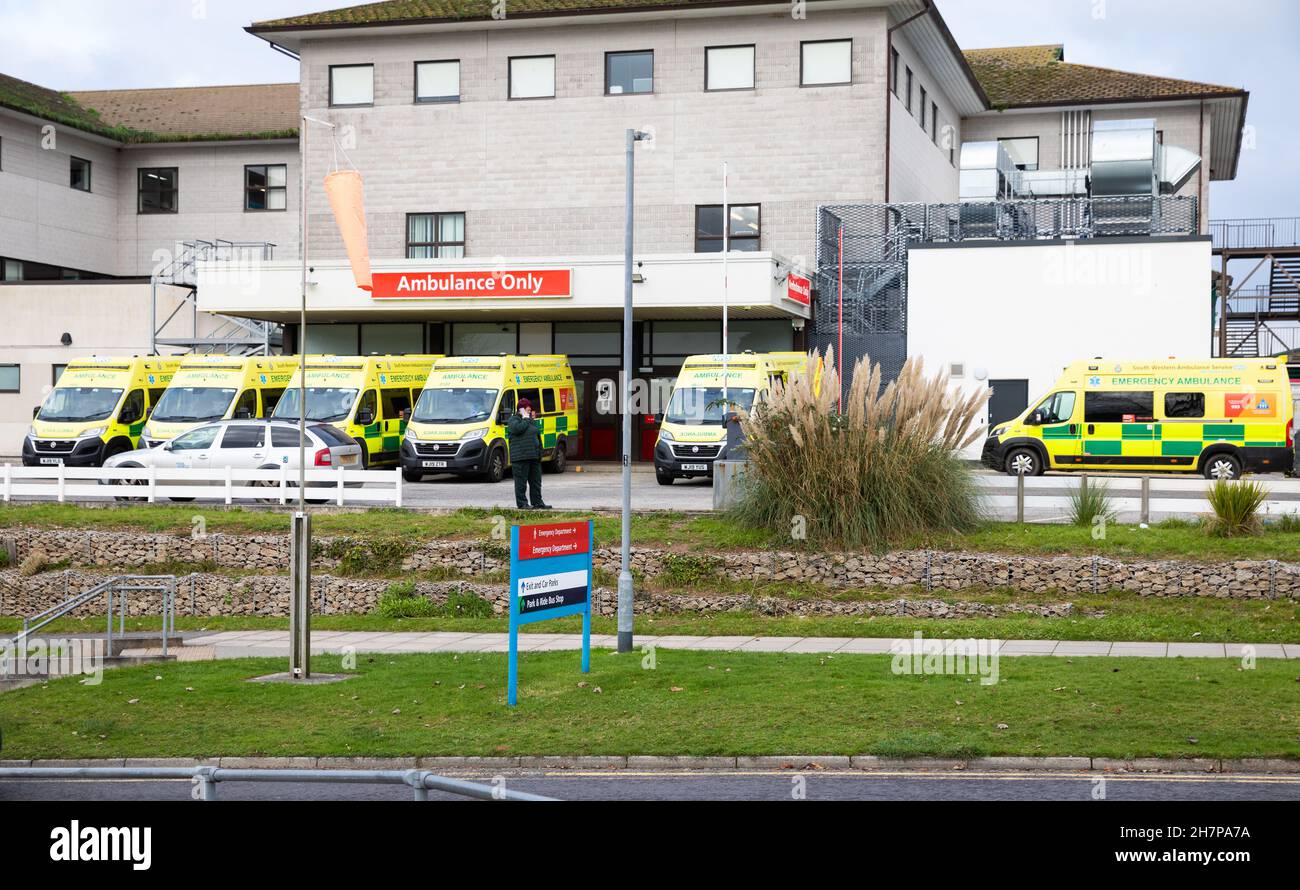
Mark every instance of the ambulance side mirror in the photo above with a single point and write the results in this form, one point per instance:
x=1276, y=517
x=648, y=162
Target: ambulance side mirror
x=365, y=418
x=1035, y=419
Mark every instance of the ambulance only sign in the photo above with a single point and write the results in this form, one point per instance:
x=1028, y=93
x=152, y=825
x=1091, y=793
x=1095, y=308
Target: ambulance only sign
x=550, y=577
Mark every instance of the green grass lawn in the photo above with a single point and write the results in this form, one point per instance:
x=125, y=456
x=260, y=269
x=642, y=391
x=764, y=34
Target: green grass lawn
x=694, y=533
x=1108, y=618
x=691, y=703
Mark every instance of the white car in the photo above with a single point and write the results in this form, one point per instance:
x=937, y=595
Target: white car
x=243, y=445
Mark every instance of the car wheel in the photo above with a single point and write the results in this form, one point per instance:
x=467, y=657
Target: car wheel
x=496, y=466
x=412, y=475
x=664, y=480
x=559, y=460
x=130, y=482
x=1024, y=462
x=265, y=483
x=1222, y=466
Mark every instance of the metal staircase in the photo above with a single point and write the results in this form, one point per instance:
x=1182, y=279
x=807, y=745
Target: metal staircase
x=224, y=334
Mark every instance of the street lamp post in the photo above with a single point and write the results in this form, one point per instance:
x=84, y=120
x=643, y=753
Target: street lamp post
x=625, y=569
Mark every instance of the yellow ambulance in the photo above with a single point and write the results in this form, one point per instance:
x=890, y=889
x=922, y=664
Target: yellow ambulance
x=97, y=410
x=1218, y=417
x=692, y=436
x=459, y=422
x=215, y=387
x=368, y=397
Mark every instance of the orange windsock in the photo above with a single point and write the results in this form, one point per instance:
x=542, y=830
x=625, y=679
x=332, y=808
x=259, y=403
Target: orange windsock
x=347, y=199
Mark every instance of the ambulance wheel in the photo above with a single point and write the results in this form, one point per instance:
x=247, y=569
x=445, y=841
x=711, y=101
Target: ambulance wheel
x=365, y=457
x=559, y=460
x=1024, y=462
x=412, y=475
x=663, y=479
x=1222, y=466
x=496, y=466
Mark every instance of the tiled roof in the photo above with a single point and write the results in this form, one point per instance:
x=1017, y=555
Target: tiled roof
x=182, y=114
x=1029, y=76
x=395, y=11
x=265, y=110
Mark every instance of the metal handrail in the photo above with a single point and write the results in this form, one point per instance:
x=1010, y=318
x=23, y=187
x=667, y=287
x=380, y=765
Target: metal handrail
x=1239, y=234
x=207, y=777
x=120, y=584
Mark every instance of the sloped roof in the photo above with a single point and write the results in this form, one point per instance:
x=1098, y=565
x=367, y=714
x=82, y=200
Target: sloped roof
x=53, y=106
x=1029, y=76
x=390, y=12
x=267, y=110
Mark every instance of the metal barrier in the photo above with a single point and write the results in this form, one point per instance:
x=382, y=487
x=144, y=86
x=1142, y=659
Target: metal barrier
x=206, y=778
x=149, y=484
x=117, y=587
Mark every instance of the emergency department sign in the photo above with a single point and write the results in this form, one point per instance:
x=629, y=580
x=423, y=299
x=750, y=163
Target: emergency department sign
x=550, y=577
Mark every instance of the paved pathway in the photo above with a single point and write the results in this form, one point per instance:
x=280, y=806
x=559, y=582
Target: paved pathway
x=243, y=644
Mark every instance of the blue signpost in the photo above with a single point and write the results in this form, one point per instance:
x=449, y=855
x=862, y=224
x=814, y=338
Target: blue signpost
x=550, y=577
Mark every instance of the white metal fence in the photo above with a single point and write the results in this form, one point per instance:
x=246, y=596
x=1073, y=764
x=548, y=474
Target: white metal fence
x=152, y=484
x=1133, y=498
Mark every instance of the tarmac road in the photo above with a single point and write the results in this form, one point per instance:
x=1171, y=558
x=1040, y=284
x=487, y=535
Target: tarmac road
x=726, y=786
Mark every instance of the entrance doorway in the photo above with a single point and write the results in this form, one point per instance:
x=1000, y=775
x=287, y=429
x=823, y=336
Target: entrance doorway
x=600, y=432
x=1009, y=399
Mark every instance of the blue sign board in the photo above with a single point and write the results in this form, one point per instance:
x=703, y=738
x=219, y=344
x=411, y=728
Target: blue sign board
x=550, y=577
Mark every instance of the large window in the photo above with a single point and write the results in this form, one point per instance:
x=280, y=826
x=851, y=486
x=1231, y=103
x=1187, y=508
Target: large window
x=532, y=77
x=266, y=187
x=672, y=341
x=630, y=72
x=826, y=62
x=484, y=338
x=352, y=85
x=1119, y=407
x=11, y=378
x=431, y=236
x=729, y=68
x=755, y=335
x=1023, y=152
x=437, y=81
x=392, y=339
x=589, y=342
x=158, y=190
x=79, y=174
x=333, y=339
x=1184, y=405
x=1057, y=408
x=744, y=233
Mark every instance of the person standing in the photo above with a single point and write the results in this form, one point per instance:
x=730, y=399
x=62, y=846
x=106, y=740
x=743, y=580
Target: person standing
x=525, y=435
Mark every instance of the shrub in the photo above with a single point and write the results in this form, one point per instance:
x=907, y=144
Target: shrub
x=687, y=571
x=884, y=471
x=401, y=600
x=1236, y=507
x=1289, y=522
x=1091, y=502
x=375, y=557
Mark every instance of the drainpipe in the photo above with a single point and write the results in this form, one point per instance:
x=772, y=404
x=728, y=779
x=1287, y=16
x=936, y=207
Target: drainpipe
x=889, y=86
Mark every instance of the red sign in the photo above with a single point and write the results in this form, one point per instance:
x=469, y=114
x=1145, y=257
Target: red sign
x=1250, y=405
x=798, y=289
x=560, y=539
x=470, y=285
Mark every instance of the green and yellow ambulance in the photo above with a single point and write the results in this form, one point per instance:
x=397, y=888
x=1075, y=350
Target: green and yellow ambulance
x=215, y=387
x=367, y=397
x=692, y=436
x=1218, y=417
x=97, y=410
x=459, y=422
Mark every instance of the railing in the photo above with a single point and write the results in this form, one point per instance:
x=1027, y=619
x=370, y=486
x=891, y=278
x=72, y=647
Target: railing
x=150, y=484
x=114, y=588
x=1257, y=234
x=206, y=779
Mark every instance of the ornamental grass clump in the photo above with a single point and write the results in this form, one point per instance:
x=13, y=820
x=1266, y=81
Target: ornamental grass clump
x=884, y=471
x=1236, y=508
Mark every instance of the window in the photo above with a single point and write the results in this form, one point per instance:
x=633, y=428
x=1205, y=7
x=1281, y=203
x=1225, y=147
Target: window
x=251, y=435
x=392, y=339
x=908, y=99
x=1023, y=152
x=672, y=341
x=13, y=270
x=79, y=174
x=11, y=378
x=632, y=72
x=196, y=440
x=753, y=335
x=352, y=85
x=925, y=101
x=247, y=404
x=729, y=68
x=894, y=60
x=548, y=401
x=1058, y=407
x=265, y=186
x=368, y=407
x=158, y=191
x=431, y=236
x=437, y=81
x=532, y=77
x=1119, y=407
x=826, y=62
x=484, y=338
x=285, y=437
x=598, y=342
x=58, y=372
x=744, y=233
x=934, y=122
x=1184, y=405
x=132, y=407
x=333, y=339
x=395, y=402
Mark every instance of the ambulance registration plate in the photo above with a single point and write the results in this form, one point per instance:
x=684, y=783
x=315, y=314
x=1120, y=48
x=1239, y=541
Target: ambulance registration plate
x=695, y=468
x=52, y=461
x=435, y=464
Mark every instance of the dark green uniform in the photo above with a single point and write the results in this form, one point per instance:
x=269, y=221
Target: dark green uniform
x=526, y=459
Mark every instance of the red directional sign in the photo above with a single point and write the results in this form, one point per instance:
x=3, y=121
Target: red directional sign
x=557, y=539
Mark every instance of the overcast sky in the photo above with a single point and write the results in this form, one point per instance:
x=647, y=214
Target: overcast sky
x=104, y=44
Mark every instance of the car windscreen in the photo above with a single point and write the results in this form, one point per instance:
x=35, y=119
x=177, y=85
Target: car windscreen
x=76, y=404
x=190, y=404
x=324, y=403
x=704, y=405
x=454, y=405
